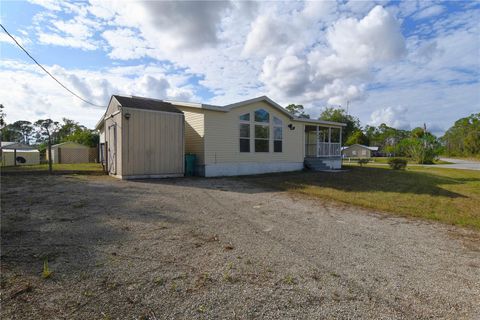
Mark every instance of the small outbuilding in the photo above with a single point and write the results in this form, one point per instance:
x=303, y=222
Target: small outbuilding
x=14, y=153
x=358, y=151
x=70, y=152
x=142, y=138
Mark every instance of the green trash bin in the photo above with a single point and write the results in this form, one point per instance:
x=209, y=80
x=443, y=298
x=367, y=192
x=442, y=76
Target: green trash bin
x=190, y=160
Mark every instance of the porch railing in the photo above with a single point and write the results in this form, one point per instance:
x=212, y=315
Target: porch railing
x=325, y=149
x=329, y=149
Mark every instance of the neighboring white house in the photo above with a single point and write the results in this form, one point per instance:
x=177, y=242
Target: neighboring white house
x=248, y=137
x=14, y=153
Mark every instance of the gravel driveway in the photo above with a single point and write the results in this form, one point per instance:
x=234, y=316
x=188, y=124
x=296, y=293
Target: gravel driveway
x=222, y=249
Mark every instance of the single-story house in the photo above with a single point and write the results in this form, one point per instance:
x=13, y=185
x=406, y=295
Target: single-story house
x=15, y=153
x=358, y=151
x=148, y=138
x=70, y=152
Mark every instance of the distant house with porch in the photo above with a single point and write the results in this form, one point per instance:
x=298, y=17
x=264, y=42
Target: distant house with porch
x=248, y=137
x=358, y=151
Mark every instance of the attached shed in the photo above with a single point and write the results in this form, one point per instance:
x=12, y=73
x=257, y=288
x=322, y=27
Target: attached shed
x=70, y=152
x=142, y=138
x=19, y=154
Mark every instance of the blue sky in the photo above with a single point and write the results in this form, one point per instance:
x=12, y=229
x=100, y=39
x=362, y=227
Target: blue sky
x=401, y=63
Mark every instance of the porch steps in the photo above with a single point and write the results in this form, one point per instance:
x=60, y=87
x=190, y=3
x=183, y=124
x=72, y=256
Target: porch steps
x=316, y=164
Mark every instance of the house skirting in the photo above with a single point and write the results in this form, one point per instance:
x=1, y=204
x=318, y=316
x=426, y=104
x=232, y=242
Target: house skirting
x=324, y=163
x=246, y=168
x=334, y=163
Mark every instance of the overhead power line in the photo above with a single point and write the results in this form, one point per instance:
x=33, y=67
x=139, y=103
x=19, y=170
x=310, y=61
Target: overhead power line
x=46, y=71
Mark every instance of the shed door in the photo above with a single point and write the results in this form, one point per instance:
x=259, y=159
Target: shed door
x=112, y=149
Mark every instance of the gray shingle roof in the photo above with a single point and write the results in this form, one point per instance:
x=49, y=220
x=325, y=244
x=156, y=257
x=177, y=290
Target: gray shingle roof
x=146, y=104
x=8, y=145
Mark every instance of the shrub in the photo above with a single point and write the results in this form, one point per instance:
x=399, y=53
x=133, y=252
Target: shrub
x=363, y=161
x=397, y=163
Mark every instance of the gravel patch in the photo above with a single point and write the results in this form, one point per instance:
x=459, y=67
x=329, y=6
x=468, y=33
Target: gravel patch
x=222, y=249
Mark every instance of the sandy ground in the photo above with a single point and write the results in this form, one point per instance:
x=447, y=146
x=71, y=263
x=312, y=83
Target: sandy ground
x=222, y=249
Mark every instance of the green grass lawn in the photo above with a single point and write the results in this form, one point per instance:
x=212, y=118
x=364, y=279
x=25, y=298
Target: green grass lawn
x=384, y=160
x=447, y=195
x=59, y=167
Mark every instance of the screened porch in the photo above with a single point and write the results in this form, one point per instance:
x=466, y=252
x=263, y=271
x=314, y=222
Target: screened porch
x=321, y=141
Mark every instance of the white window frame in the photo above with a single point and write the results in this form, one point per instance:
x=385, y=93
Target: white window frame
x=271, y=125
x=273, y=135
x=240, y=122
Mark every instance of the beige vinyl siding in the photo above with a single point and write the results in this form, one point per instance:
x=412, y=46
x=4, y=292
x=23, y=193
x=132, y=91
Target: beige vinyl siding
x=152, y=143
x=222, y=137
x=194, y=132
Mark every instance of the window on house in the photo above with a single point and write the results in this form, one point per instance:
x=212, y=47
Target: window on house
x=262, y=115
x=277, y=121
x=277, y=134
x=262, y=137
x=245, y=132
x=245, y=117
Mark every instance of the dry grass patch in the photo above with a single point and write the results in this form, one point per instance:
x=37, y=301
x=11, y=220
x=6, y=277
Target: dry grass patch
x=56, y=167
x=447, y=195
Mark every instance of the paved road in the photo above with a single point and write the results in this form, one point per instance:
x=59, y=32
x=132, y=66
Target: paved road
x=461, y=164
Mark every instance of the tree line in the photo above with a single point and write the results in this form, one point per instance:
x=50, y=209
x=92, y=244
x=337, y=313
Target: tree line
x=44, y=133
x=462, y=139
x=37, y=133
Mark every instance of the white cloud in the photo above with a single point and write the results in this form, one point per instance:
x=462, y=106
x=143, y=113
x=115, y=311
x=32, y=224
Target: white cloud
x=126, y=44
x=320, y=10
x=315, y=53
x=73, y=28
x=428, y=12
x=391, y=116
x=5, y=38
x=287, y=74
x=101, y=9
x=65, y=41
x=175, y=25
x=27, y=94
x=77, y=32
x=269, y=35
x=335, y=73
x=49, y=4
x=150, y=86
x=376, y=37
x=339, y=93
